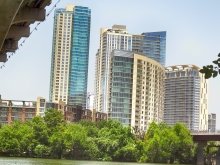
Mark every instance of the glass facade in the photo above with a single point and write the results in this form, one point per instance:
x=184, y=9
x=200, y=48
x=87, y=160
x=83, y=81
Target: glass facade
x=121, y=90
x=154, y=46
x=79, y=59
x=70, y=55
x=136, y=89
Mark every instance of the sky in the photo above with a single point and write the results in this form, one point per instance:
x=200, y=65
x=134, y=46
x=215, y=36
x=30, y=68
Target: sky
x=193, y=37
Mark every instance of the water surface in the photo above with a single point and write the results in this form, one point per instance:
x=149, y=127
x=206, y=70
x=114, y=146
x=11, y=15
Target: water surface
x=38, y=161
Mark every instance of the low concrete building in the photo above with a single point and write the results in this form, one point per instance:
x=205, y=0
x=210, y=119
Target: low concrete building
x=72, y=113
x=87, y=114
x=13, y=110
x=42, y=105
x=98, y=116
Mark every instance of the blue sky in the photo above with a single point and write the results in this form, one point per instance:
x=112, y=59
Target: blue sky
x=193, y=37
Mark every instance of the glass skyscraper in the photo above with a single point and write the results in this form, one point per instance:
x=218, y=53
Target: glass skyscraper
x=70, y=55
x=154, y=46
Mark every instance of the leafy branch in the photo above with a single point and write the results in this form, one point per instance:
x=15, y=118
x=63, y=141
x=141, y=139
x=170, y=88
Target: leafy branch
x=210, y=70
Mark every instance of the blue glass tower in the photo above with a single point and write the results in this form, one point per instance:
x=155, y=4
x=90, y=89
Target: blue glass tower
x=154, y=46
x=70, y=55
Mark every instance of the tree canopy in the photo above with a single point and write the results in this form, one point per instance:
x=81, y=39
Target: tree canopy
x=210, y=70
x=52, y=137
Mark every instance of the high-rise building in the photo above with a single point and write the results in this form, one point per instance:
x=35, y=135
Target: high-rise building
x=152, y=45
x=186, y=97
x=110, y=39
x=70, y=55
x=212, y=122
x=89, y=100
x=136, y=89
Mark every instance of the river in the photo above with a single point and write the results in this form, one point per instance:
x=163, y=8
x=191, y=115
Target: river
x=37, y=161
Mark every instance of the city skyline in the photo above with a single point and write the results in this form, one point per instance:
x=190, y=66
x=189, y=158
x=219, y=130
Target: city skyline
x=190, y=41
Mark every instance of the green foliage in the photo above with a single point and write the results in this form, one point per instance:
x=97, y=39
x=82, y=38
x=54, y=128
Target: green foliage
x=54, y=120
x=166, y=144
x=210, y=70
x=211, y=149
x=41, y=151
x=52, y=137
x=40, y=130
x=17, y=139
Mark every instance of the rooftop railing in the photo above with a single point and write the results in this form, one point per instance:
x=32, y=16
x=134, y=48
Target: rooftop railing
x=205, y=132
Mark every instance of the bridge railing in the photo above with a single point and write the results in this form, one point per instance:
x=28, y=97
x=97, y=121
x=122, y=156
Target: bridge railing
x=204, y=132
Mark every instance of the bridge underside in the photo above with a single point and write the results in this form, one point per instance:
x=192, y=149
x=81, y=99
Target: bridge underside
x=202, y=140
x=205, y=137
x=15, y=18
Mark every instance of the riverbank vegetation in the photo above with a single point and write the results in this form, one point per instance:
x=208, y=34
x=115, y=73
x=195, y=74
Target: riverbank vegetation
x=52, y=137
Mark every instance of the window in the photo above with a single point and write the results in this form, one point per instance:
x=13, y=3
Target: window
x=41, y=104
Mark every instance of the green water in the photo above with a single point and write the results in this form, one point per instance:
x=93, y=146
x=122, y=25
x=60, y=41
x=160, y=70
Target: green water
x=37, y=161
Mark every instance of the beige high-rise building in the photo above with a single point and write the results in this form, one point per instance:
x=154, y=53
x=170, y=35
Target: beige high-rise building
x=152, y=45
x=136, y=89
x=110, y=39
x=186, y=97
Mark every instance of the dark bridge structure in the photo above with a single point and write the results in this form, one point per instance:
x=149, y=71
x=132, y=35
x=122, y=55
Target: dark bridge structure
x=15, y=18
x=202, y=137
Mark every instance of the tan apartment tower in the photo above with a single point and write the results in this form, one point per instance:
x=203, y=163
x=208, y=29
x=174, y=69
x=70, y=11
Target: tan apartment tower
x=136, y=89
x=186, y=97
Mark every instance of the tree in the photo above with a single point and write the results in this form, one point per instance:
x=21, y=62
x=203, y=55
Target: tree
x=210, y=150
x=17, y=139
x=210, y=70
x=57, y=145
x=75, y=140
x=54, y=120
x=114, y=139
x=9, y=143
x=185, y=149
x=164, y=144
x=40, y=130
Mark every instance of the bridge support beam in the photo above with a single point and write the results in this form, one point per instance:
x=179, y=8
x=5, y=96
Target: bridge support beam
x=10, y=7
x=200, y=155
x=10, y=45
x=18, y=32
x=3, y=57
x=29, y=14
